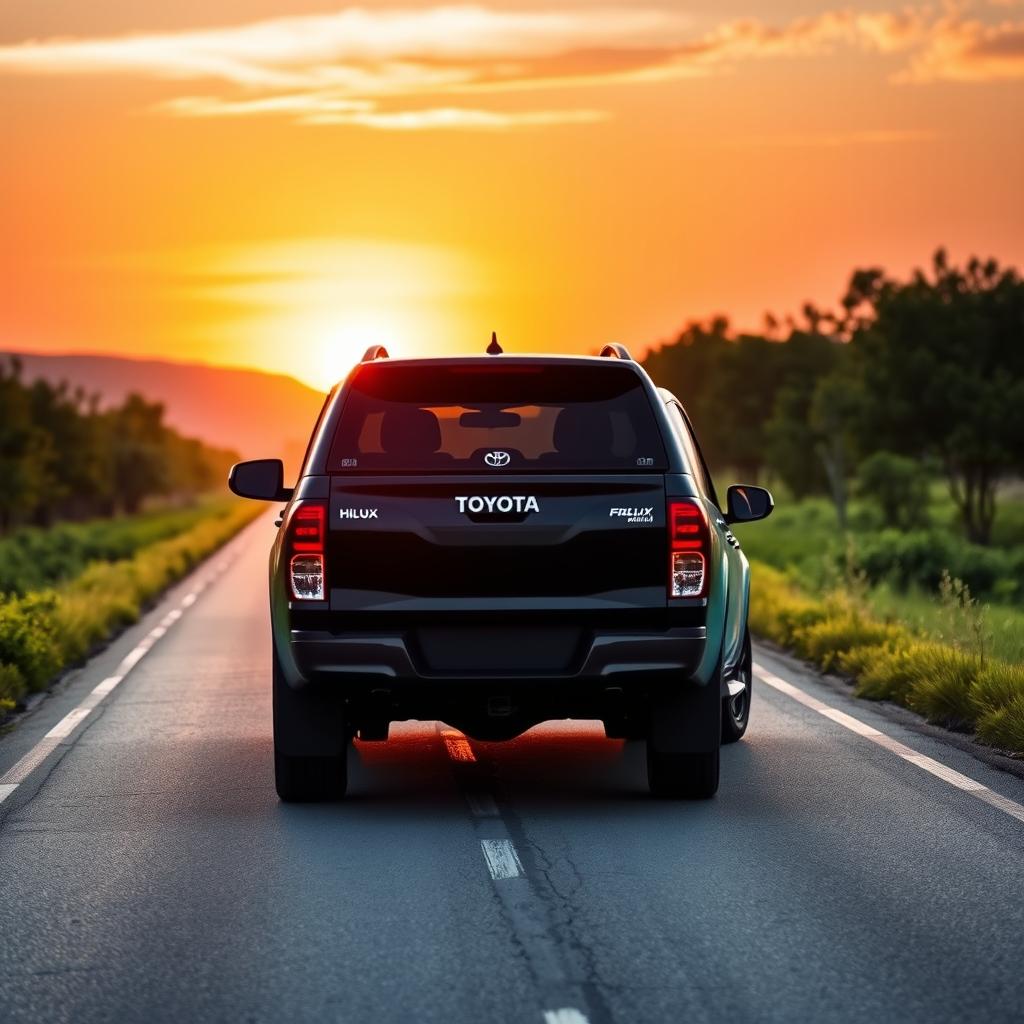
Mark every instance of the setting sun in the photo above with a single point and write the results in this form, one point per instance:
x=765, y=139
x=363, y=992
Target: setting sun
x=338, y=346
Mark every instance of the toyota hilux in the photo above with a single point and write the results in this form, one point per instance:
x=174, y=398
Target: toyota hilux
x=495, y=541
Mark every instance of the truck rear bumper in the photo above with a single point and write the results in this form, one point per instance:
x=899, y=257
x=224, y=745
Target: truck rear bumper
x=459, y=656
x=496, y=682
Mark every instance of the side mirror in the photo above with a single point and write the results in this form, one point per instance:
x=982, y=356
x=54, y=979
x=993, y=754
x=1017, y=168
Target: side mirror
x=747, y=503
x=262, y=479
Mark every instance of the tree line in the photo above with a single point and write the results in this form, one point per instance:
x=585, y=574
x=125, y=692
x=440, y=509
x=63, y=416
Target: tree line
x=906, y=378
x=65, y=456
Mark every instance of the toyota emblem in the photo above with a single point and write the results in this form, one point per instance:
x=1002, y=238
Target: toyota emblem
x=497, y=459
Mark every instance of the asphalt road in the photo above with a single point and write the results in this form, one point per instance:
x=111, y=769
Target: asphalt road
x=148, y=872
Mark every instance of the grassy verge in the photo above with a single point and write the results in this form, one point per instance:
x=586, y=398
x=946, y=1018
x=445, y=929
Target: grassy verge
x=950, y=677
x=33, y=558
x=44, y=631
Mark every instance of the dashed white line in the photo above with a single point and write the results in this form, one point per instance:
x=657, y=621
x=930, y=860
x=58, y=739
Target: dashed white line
x=132, y=658
x=935, y=768
x=189, y=599
x=502, y=859
x=108, y=684
x=7, y=790
x=564, y=1016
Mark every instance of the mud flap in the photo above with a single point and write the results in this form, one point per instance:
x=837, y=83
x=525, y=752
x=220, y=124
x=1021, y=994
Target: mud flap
x=688, y=720
x=309, y=722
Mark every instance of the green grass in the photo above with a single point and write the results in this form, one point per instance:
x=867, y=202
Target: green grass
x=803, y=537
x=944, y=667
x=45, y=631
x=922, y=613
x=32, y=558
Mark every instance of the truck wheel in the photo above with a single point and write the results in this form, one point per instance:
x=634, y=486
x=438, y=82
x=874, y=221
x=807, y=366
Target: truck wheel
x=686, y=776
x=683, y=742
x=310, y=743
x=309, y=779
x=736, y=710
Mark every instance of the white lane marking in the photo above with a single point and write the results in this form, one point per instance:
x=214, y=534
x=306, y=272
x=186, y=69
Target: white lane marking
x=108, y=684
x=564, y=1016
x=502, y=859
x=482, y=805
x=99, y=691
x=936, y=768
x=22, y=768
x=458, y=746
x=132, y=658
x=68, y=724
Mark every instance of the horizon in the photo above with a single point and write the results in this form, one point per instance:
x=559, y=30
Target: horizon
x=229, y=185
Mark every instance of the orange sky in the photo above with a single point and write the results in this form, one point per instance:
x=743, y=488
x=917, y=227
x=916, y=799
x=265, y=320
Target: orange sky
x=250, y=182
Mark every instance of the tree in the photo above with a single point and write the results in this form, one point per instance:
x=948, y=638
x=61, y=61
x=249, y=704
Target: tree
x=898, y=485
x=941, y=361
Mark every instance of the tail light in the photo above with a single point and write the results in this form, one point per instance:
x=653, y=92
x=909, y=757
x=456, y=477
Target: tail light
x=306, y=530
x=689, y=544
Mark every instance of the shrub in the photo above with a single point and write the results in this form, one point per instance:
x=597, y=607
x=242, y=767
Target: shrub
x=996, y=686
x=922, y=557
x=952, y=681
x=825, y=640
x=898, y=485
x=777, y=609
x=32, y=558
x=12, y=687
x=1004, y=726
x=888, y=676
x=42, y=633
x=941, y=690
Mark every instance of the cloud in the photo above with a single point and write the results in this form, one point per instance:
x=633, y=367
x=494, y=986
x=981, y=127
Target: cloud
x=328, y=109
x=386, y=69
x=969, y=51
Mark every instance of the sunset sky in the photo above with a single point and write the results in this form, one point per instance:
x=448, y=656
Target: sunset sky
x=279, y=185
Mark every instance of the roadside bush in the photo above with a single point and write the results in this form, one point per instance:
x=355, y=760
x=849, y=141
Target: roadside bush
x=32, y=558
x=941, y=690
x=777, y=608
x=12, y=687
x=922, y=557
x=844, y=629
x=997, y=685
x=30, y=638
x=898, y=486
x=889, y=675
x=44, y=632
x=952, y=681
x=1003, y=727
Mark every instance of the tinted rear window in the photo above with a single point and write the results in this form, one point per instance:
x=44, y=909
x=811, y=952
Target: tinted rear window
x=462, y=417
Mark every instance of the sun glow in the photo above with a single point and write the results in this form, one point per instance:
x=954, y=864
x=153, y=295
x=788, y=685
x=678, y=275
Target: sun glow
x=337, y=345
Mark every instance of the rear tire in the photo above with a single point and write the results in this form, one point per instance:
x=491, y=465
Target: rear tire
x=309, y=779
x=682, y=776
x=311, y=742
x=684, y=741
x=736, y=710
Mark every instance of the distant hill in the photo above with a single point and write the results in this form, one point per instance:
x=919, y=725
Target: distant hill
x=260, y=415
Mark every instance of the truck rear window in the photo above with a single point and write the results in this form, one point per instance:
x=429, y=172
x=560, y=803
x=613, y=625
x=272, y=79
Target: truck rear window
x=510, y=416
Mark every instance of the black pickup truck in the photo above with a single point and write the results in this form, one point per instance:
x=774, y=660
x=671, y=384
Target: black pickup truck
x=495, y=541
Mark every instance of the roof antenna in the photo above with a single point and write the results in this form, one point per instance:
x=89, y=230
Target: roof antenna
x=494, y=349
